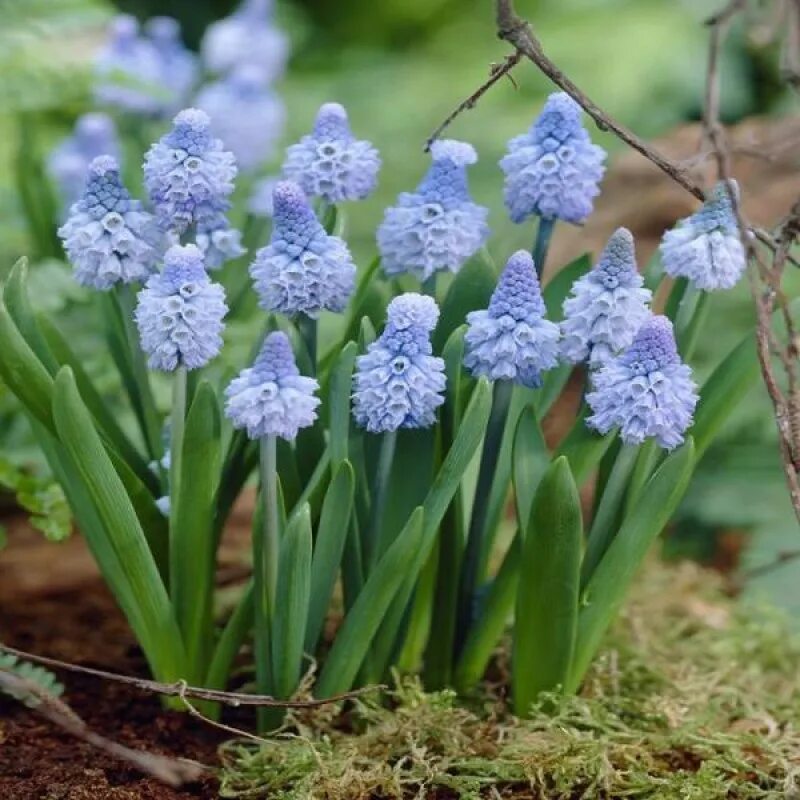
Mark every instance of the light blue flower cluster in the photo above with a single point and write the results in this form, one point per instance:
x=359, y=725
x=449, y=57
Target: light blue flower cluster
x=511, y=340
x=553, y=171
x=108, y=238
x=646, y=391
x=248, y=36
x=272, y=398
x=398, y=383
x=245, y=114
x=180, y=313
x=218, y=242
x=607, y=306
x=178, y=66
x=188, y=174
x=330, y=162
x=68, y=165
x=706, y=247
x=302, y=269
x=437, y=227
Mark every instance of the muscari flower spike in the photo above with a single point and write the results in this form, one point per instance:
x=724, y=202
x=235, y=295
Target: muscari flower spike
x=248, y=36
x=272, y=398
x=188, y=173
x=127, y=70
x=218, y=242
x=398, y=383
x=706, y=247
x=179, y=67
x=94, y=135
x=553, y=170
x=647, y=391
x=108, y=238
x=180, y=313
x=302, y=269
x=511, y=340
x=245, y=113
x=438, y=226
x=606, y=306
x=330, y=162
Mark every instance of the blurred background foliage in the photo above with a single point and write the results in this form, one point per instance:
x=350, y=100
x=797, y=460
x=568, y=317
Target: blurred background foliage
x=399, y=66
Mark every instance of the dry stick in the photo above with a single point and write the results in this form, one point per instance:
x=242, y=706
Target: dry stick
x=173, y=772
x=182, y=690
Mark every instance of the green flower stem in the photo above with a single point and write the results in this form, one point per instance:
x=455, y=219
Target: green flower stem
x=541, y=245
x=177, y=427
x=429, y=285
x=691, y=322
x=501, y=400
x=375, y=544
x=307, y=326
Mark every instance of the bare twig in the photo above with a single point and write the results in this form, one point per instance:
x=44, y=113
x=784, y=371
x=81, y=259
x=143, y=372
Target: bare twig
x=182, y=690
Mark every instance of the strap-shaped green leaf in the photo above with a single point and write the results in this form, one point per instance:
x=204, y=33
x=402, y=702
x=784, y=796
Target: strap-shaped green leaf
x=612, y=577
x=132, y=565
x=339, y=391
x=557, y=288
x=530, y=458
x=334, y=523
x=546, y=614
x=583, y=448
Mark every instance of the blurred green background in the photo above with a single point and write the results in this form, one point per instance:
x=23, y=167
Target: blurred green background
x=399, y=66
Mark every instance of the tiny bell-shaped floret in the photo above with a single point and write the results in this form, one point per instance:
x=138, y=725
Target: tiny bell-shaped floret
x=647, y=391
x=302, y=269
x=511, y=340
x=399, y=383
x=706, y=247
x=606, y=306
x=330, y=162
x=218, y=242
x=180, y=313
x=272, y=398
x=553, y=171
x=437, y=227
x=108, y=238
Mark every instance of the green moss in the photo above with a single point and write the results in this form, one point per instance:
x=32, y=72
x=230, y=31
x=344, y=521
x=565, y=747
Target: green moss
x=693, y=698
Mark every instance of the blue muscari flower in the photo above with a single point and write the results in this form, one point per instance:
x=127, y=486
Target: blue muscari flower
x=260, y=202
x=438, y=226
x=330, y=162
x=245, y=113
x=178, y=66
x=188, y=173
x=706, y=247
x=647, y=391
x=398, y=383
x=127, y=70
x=180, y=313
x=302, y=269
x=272, y=398
x=606, y=306
x=94, y=135
x=511, y=340
x=108, y=237
x=553, y=170
x=218, y=242
x=248, y=36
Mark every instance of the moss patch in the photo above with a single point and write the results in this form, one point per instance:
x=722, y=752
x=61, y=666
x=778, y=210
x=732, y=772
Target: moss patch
x=693, y=698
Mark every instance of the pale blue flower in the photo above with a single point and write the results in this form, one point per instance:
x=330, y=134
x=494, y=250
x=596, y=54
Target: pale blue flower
x=330, y=162
x=68, y=165
x=553, y=170
x=646, y=391
x=706, y=247
x=607, y=306
x=272, y=398
x=180, y=313
x=188, y=173
x=511, y=340
x=302, y=269
x=437, y=227
x=218, y=242
x=245, y=114
x=248, y=36
x=178, y=66
x=398, y=383
x=108, y=238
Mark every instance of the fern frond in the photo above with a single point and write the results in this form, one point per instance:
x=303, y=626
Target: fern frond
x=44, y=680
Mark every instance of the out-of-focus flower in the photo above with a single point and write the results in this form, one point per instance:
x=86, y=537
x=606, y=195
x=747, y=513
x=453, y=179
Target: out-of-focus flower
x=218, y=242
x=260, y=203
x=178, y=65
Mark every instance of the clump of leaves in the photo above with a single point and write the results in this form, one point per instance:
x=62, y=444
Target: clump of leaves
x=692, y=697
x=31, y=674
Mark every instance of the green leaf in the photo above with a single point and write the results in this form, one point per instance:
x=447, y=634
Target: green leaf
x=530, y=458
x=584, y=448
x=291, y=604
x=557, y=288
x=364, y=618
x=546, y=614
x=612, y=577
x=334, y=524
x=339, y=391
x=553, y=384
